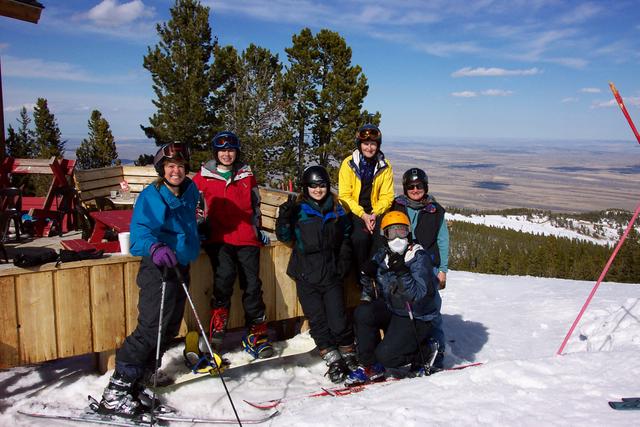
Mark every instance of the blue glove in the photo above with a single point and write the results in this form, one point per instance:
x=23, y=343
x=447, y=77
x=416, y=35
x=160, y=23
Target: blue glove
x=162, y=255
x=264, y=238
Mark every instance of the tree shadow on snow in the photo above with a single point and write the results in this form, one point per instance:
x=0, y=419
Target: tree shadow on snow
x=465, y=339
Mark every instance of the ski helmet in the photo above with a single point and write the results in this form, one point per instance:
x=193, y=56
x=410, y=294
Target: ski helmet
x=315, y=175
x=368, y=132
x=413, y=176
x=398, y=222
x=174, y=150
x=225, y=139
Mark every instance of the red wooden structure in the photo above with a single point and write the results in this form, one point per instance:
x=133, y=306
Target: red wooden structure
x=58, y=205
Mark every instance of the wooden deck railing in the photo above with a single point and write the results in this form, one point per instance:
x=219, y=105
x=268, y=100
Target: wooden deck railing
x=91, y=306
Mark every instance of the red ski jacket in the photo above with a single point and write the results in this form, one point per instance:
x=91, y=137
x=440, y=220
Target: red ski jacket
x=233, y=206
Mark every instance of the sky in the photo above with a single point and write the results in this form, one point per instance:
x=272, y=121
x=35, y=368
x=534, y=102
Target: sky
x=513, y=325
x=453, y=69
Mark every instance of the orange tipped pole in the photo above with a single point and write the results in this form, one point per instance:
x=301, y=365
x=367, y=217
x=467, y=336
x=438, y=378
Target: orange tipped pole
x=616, y=94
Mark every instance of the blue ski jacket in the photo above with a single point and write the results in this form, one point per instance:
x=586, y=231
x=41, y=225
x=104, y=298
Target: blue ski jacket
x=160, y=216
x=418, y=287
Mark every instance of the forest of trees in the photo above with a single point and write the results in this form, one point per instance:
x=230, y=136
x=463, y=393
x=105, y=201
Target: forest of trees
x=483, y=249
x=286, y=116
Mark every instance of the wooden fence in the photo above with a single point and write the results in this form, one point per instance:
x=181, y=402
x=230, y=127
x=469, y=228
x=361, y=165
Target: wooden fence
x=91, y=306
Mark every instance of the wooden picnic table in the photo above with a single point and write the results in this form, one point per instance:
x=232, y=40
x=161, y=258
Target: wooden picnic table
x=58, y=195
x=117, y=220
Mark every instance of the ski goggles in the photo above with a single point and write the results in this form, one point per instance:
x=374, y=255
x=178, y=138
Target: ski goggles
x=396, y=231
x=227, y=140
x=176, y=150
x=416, y=186
x=317, y=185
x=369, y=134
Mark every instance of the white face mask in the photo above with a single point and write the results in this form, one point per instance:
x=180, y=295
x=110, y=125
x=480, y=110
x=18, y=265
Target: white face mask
x=398, y=245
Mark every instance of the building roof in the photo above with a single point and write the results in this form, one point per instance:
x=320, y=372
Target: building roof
x=24, y=10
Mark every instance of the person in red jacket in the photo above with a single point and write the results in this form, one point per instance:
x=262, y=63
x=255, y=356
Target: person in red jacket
x=233, y=203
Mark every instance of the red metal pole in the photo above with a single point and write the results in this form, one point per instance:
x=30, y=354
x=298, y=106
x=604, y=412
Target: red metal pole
x=616, y=94
x=602, y=275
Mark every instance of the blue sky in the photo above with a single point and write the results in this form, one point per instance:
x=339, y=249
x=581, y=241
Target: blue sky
x=446, y=68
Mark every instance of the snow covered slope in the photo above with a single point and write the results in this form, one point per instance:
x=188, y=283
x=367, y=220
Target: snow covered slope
x=514, y=324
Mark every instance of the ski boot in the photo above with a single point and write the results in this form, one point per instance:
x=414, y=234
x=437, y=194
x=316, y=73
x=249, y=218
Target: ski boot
x=338, y=369
x=120, y=398
x=144, y=394
x=365, y=374
x=218, y=326
x=256, y=341
x=348, y=353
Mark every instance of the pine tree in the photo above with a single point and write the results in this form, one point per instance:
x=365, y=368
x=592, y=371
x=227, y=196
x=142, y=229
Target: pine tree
x=180, y=68
x=20, y=143
x=250, y=103
x=48, y=141
x=326, y=94
x=99, y=150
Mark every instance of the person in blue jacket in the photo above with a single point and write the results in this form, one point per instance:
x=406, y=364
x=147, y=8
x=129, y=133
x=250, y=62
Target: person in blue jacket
x=406, y=302
x=164, y=233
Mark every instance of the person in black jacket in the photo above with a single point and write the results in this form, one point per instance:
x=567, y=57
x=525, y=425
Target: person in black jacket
x=319, y=229
x=429, y=229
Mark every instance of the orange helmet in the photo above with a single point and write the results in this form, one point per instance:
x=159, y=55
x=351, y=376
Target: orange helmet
x=394, y=217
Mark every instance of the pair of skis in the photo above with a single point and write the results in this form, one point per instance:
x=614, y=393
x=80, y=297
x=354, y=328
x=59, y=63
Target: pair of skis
x=90, y=416
x=339, y=391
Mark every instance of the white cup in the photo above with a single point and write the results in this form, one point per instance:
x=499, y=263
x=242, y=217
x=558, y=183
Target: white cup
x=123, y=238
x=113, y=194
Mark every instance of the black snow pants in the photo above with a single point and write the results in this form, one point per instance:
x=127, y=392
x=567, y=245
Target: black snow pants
x=228, y=262
x=138, y=352
x=399, y=346
x=323, y=305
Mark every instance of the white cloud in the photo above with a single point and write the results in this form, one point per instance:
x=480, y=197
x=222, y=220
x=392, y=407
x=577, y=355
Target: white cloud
x=581, y=13
x=590, y=90
x=569, y=99
x=465, y=94
x=14, y=108
x=630, y=101
x=38, y=68
x=497, y=92
x=109, y=13
x=493, y=72
x=487, y=92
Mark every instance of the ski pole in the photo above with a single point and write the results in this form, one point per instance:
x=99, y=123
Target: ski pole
x=415, y=334
x=206, y=340
x=620, y=102
x=160, y=316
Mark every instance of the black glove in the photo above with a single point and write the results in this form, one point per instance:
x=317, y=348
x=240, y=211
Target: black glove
x=286, y=210
x=369, y=269
x=397, y=265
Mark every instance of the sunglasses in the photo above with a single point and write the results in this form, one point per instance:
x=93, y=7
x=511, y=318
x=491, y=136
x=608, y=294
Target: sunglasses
x=369, y=135
x=396, y=231
x=226, y=141
x=418, y=186
x=176, y=150
x=318, y=185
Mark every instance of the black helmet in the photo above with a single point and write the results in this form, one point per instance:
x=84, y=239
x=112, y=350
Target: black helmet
x=415, y=175
x=315, y=175
x=368, y=132
x=173, y=150
x=225, y=139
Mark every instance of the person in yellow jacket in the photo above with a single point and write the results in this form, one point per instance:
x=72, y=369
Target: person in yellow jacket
x=365, y=186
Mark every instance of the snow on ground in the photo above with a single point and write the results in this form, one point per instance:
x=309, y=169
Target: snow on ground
x=512, y=324
x=541, y=225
